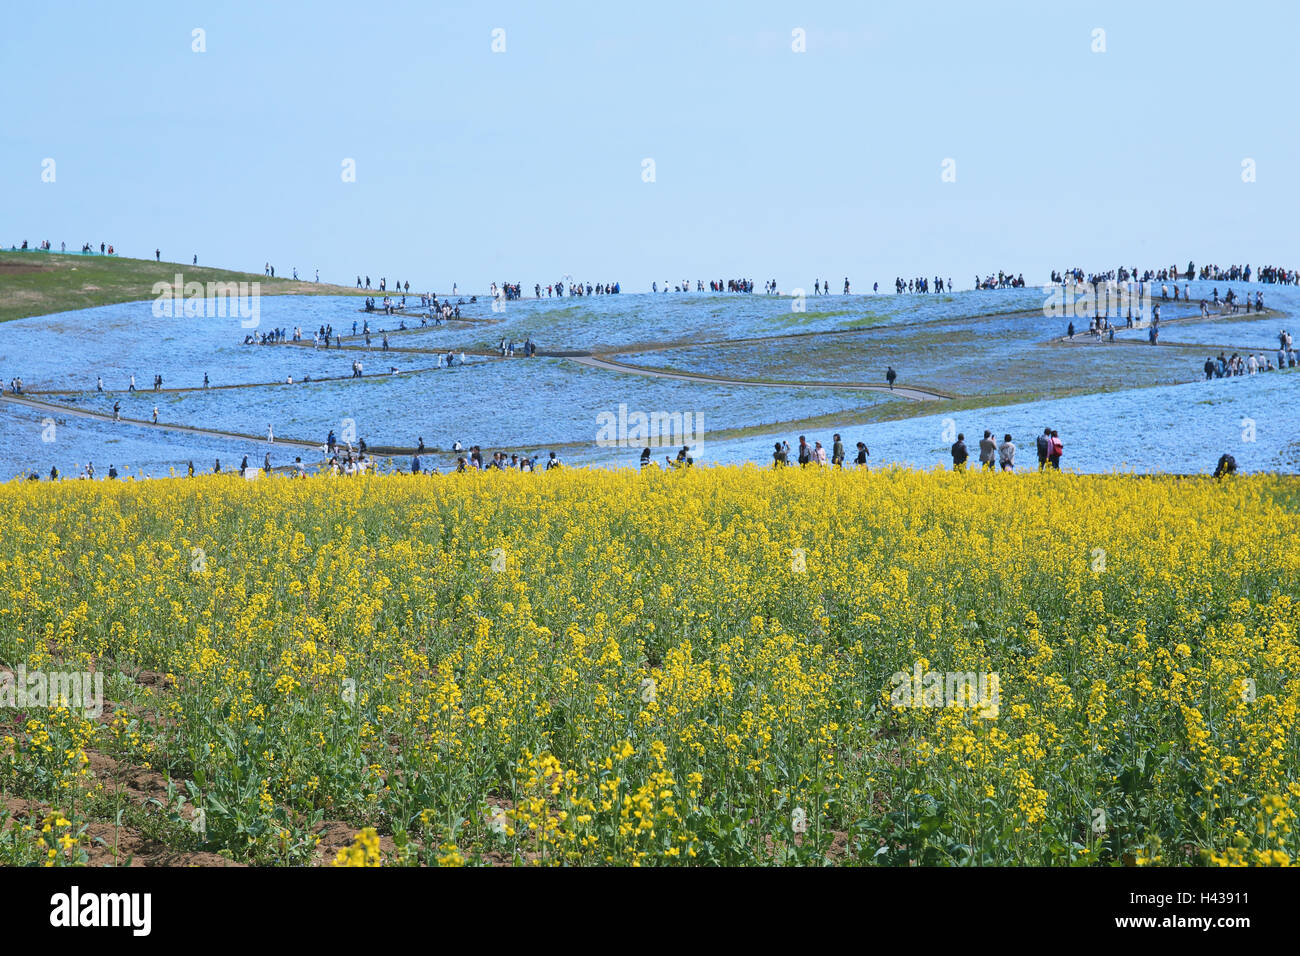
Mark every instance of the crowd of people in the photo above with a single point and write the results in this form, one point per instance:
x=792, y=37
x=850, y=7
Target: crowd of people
x=1003, y=454
x=922, y=284
x=1237, y=364
x=507, y=348
x=1003, y=280
x=1276, y=275
x=992, y=453
x=87, y=249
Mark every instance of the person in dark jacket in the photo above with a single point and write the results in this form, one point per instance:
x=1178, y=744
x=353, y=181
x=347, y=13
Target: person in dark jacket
x=1227, y=465
x=1044, y=445
x=959, y=454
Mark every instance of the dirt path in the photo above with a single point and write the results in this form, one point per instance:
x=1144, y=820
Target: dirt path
x=216, y=388
x=1084, y=337
x=163, y=426
x=915, y=394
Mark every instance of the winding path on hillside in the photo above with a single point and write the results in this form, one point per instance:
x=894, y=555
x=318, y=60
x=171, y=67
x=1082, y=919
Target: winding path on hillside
x=604, y=358
x=903, y=391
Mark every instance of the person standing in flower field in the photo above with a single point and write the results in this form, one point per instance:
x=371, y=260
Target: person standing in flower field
x=1044, y=446
x=1055, y=451
x=988, y=449
x=959, y=453
x=805, y=452
x=837, y=453
x=1007, y=454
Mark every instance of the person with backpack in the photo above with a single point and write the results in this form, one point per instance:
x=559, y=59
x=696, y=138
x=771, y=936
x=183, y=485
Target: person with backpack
x=1044, y=443
x=959, y=453
x=1055, y=450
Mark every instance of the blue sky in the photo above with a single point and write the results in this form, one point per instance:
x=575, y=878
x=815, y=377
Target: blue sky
x=525, y=165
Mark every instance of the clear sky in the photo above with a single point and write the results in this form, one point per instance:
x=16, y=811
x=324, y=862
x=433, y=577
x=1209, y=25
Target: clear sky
x=528, y=164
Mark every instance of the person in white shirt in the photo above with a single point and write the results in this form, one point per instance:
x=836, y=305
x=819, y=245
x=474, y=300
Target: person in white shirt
x=1007, y=454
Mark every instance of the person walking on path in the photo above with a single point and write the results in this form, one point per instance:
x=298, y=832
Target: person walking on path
x=891, y=376
x=270, y=436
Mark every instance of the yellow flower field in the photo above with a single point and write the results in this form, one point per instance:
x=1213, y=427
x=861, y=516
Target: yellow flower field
x=711, y=666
